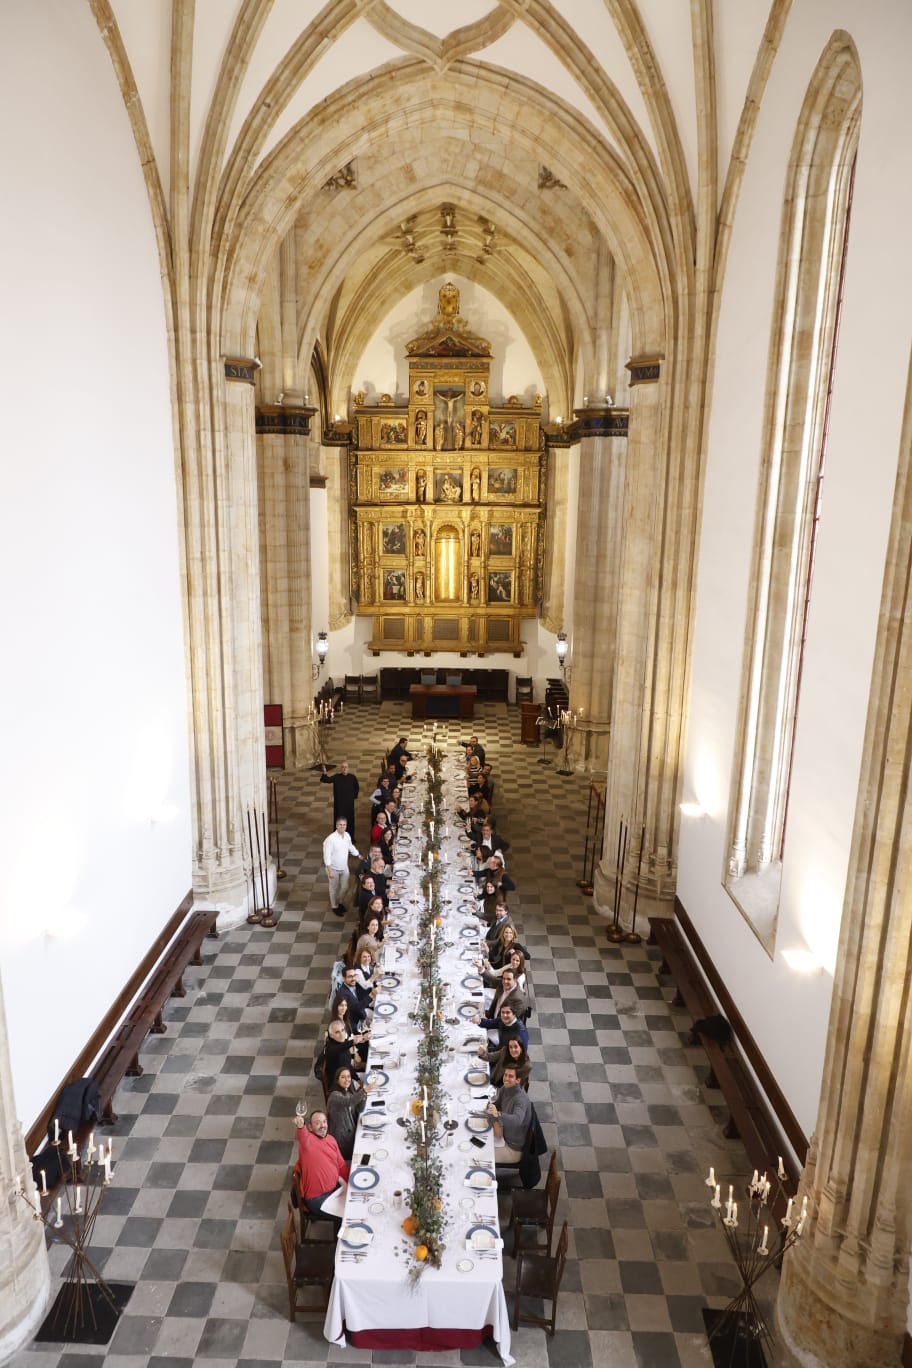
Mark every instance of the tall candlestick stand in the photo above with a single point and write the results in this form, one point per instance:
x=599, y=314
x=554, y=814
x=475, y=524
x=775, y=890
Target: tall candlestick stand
x=255, y=915
x=737, y=1332
x=614, y=932
x=87, y=1307
x=274, y=825
x=633, y=937
x=268, y=919
x=569, y=722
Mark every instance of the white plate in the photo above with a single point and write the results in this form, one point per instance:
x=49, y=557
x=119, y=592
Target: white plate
x=376, y=1208
x=482, y=1237
x=466, y=1146
x=469, y=1009
x=467, y=1203
x=356, y=1236
x=481, y=1178
x=381, y=1154
x=364, y=1179
x=379, y=1077
x=385, y=1009
x=478, y=1125
x=472, y=981
x=373, y=1122
x=477, y=1078
x=465, y=1266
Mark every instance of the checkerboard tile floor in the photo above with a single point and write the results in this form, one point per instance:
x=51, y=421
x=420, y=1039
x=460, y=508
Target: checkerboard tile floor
x=205, y=1136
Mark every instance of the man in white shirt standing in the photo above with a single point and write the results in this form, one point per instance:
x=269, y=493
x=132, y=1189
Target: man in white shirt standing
x=336, y=851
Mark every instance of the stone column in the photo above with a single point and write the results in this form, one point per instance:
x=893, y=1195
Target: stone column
x=24, y=1275
x=638, y=789
x=845, y=1290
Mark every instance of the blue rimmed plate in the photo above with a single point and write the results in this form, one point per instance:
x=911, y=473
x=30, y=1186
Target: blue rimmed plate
x=472, y=981
x=393, y=933
x=468, y=1009
x=356, y=1235
x=373, y=1121
x=378, y=1076
x=467, y=933
x=481, y=1179
x=478, y=1125
x=390, y=981
x=385, y=1009
x=477, y=1078
x=364, y=1179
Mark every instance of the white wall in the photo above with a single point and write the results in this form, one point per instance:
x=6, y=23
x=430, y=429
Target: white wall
x=782, y=1008
x=94, y=806
x=383, y=367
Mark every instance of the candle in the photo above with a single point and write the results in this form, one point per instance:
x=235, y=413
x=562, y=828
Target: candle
x=755, y=1181
x=421, y=1124
x=107, y=1169
x=60, y=1211
x=90, y=1152
x=780, y=1171
x=800, y=1226
x=731, y=1195
x=763, y=1246
x=430, y=860
x=787, y=1220
x=44, y=1186
x=717, y=1201
x=711, y=1180
x=78, y=1199
x=734, y=1213
x=56, y=1131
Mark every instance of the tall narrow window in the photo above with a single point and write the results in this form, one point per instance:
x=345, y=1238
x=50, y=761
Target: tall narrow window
x=803, y=348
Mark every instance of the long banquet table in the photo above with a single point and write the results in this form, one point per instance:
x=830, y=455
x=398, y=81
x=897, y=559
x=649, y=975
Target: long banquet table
x=374, y=1300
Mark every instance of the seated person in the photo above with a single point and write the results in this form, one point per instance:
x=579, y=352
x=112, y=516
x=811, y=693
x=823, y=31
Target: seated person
x=322, y=1168
x=502, y=918
x=474, y=747
x=370, y=938
x=344, y=1104
x=347, y=992
x=512, y=1113
x=399, y=756
x=491, y=977
x=379, y=827
x=367, y=972
x=380, y=877
x=493, y=869
x=503, y=945
x=490, y=841
x=510, y=992
x=507, y=1025
x=515, y=1054
x=367, y=890
x=344, y=1050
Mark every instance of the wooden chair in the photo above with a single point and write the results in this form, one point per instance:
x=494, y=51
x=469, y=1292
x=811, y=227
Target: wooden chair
x=370, y=688
x=309, y=1264
x=307, y=1218
x=352, y=690
x=524, y=689
x=539, y=1275
x=534, y=1210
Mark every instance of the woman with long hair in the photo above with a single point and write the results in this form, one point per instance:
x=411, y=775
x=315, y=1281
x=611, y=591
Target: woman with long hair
x=371, y=935
x=344, y=1104
x=514, y=1054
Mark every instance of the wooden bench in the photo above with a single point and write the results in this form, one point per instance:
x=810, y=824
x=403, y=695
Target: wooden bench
x=762, y=1122
x=121, y=1056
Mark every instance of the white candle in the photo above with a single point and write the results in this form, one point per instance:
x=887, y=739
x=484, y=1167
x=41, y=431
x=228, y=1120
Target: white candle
x=717, y=1200
x=788, y=1212
x=78, y=1199
x=56, y=1131
x=763, y=1246
x=800, y=1226
x=70, y=1139
x=430, y=859
x=421, y=1123
x=59, y=1210
x=755, y=1181
x=780, y=1171
x=107, y=1169
x=44, y=1187
x=734, y=1213
x=731, y=1195
x=711, y=1180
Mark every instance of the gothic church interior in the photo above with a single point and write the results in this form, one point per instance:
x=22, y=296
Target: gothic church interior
x=681, y=230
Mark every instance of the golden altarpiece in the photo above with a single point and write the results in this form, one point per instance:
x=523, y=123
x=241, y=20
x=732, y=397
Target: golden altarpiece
x=447, y=502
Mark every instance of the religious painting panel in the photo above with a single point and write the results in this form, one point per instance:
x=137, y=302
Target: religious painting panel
x=502, y=480
x=449, y=417
x=394, y=432
x=394, y=586
x=394, y=484
x=448, y=486
x=500, y=586
x=393, y=539
x=503, y=434
x=500, y=539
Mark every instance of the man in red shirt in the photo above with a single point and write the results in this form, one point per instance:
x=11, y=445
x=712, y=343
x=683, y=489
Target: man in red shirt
x=322, y=1167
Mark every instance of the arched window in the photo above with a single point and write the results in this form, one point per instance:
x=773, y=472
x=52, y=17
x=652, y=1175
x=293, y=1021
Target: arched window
x=803, y=350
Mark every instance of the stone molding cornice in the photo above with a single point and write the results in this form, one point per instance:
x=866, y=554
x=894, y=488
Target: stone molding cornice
x=645, y=370
x=275, y=420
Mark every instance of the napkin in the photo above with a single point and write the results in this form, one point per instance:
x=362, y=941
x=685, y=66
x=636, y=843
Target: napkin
x=357, y=1236
x=483, y=1239
x=480, y=1179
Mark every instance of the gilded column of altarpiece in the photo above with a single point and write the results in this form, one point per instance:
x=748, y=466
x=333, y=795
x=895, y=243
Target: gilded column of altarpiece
x=447, y=502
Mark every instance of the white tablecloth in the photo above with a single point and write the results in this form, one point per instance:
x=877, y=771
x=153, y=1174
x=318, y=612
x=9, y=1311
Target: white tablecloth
x=375, y=1292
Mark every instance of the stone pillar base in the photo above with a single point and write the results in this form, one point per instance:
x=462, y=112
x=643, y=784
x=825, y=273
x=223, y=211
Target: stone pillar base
x=302, y=750
x=24, y=1288
x=818, y=1327
x=588, y=748
x=235, y=912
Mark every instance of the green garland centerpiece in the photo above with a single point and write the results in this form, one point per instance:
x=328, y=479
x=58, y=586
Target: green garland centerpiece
x=423, y=1123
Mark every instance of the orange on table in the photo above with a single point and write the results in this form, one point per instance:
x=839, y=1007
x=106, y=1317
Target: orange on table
x=410, y=1225
x=421, y=1253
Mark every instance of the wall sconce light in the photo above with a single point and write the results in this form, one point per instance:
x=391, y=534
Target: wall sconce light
x=562, y=647
x=322, y=652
